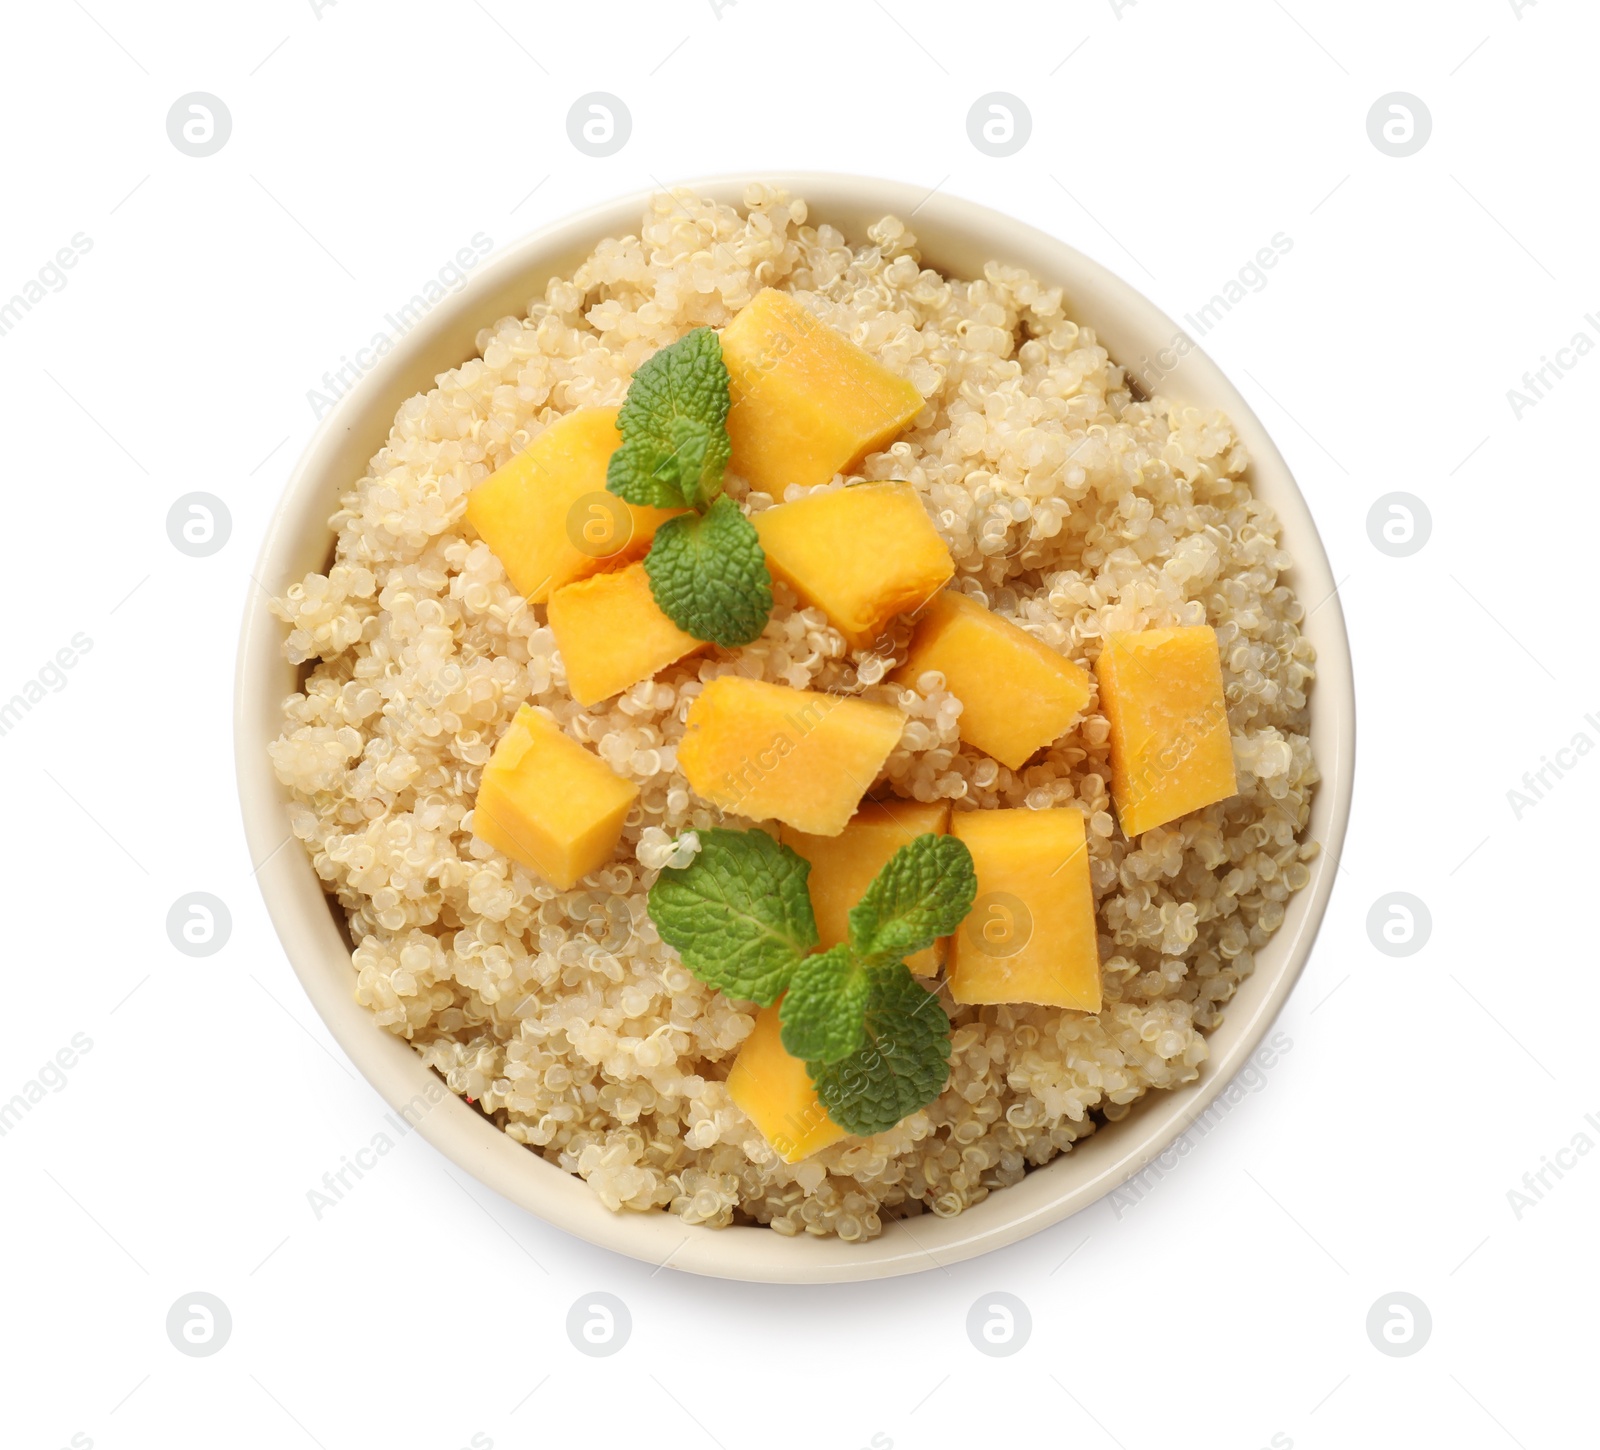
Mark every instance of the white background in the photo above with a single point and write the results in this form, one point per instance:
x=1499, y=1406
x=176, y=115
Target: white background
x=369, y=143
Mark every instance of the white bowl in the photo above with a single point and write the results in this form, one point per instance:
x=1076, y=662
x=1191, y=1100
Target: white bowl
x=957, y=237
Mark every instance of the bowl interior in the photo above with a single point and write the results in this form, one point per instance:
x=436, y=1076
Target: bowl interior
x=958, y=238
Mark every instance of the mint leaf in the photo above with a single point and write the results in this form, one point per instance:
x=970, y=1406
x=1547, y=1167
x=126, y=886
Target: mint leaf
x=632, y=475
x=701, y=450
x=739, y=914
x=924, y=892
x=709, y=575
x=823, y=1012
x=673, y=422
x=903, y=1063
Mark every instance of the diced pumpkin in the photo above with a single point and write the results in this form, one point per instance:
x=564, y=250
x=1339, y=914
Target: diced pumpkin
x=797, y=756
x=547, y=802
x=1030, y=936
x=546, y=514
x=861, y=554
x=612, y=634
x=1171, y=749
x=807, y=402
x=774, y=1091
x=1017, y=695
x=842, y=866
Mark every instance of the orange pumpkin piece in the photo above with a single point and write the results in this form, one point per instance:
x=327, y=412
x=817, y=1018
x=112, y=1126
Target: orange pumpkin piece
x=774, y=1091
x=547, y=802
x=612, y=634
x=1017, y=694
x=1031, y=934
x=1171, y=748
x=861, y=554
x=807, y=403
x=797, y=756
x=546, y=514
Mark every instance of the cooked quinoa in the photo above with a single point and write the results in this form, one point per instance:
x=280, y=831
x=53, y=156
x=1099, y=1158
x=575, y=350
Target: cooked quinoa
x=1070, y=504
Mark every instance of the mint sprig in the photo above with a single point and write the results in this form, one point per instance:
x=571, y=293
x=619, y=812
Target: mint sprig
x=923, y=892
x=707, y=571
x=875, y=1043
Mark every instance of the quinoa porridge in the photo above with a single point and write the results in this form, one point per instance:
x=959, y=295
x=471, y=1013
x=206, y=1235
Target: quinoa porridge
x=1069, y=504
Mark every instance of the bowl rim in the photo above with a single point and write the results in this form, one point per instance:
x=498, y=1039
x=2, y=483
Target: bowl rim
x=306, y=920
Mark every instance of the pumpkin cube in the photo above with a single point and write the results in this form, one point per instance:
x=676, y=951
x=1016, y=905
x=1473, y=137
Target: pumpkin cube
x=807, y=402
x=546, y=514
x=1030, y=936
x=612, y=634
x=797, y=756
x=547, y=802
x=1017, y=695
x=774, y=1091
x=861, y=554
x=1171, y=749
x=842, y=866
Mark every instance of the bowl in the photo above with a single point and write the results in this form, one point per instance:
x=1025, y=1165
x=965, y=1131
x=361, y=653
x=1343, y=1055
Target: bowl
x=957, y=237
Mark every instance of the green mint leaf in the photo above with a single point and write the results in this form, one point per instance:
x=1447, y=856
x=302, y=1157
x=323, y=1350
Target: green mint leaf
x=702, y=451
x=631, y=475
x=673, y=422
x=823, y=1015
x=924, y=892
x=709, y=575
x=902, y=1065
x=739, y=914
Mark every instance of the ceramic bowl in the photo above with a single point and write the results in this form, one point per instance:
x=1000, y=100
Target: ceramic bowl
x=957, y=237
